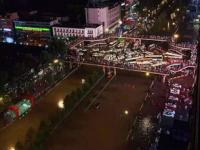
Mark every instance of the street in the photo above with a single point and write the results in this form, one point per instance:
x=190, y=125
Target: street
x=46, y=108
x=105, y=125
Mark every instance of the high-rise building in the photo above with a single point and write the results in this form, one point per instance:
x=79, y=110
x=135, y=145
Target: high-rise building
x=107, y=14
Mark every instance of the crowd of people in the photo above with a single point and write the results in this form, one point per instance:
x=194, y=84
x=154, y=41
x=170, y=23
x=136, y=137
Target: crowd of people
x=134, y=55
x=35, y=82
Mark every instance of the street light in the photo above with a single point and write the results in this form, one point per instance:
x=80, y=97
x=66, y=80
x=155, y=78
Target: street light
x=83, y=81
x=173, y=23
x=177, y=9
x=147, y=74
x=120, y=22
x=106, y=30
x=176, y=36
x=61, y=104
x=55, y=61
x=126, y=112
x=11, y=148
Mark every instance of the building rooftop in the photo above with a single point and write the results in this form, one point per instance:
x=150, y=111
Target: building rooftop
x=70, y=25
x=102, y=4
x=38, y=17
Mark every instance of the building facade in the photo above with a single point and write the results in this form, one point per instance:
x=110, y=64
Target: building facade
x=34, y=29
x=108, y=16
x=6, y=25
x=89, y=31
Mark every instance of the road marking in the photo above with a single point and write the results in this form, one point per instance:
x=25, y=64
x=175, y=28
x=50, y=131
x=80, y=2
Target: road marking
x=141, y=107
x=95, y=98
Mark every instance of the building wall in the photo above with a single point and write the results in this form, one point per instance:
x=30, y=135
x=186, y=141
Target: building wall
x=32, y=33
x=105, y=16
x=114, y=14
x=77, y=32
x=7, y=21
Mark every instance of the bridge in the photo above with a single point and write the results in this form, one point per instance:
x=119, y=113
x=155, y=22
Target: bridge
x=177, y=47
x=122, y=68
x=143, y=38
x=184, y=68
x=165, y=71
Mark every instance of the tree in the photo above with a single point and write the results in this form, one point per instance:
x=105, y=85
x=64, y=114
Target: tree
x=57, y=47
x=46, y=57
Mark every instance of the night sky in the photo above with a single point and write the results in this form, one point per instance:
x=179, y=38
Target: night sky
x=41, y=4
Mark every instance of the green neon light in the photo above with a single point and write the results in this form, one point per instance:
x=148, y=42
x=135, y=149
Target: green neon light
x=31, y=28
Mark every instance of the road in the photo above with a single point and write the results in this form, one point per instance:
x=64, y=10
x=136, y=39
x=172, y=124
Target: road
x=46, y=108
x=105, y=128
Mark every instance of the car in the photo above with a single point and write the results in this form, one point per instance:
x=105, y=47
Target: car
x=170, y=106
x=169, y=113
x=173, y=98
x=175, y=91
x=176, y=85
x=188, y=101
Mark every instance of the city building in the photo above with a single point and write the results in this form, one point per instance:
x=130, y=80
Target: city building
x=35, y=27
x=6, y=26
x=90, y=30
x=107, y=14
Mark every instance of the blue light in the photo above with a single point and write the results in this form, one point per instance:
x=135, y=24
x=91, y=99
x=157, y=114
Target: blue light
x=9, y=40
x=7, y=30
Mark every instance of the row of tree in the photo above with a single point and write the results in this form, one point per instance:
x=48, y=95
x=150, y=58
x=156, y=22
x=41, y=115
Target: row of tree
x=36, y=140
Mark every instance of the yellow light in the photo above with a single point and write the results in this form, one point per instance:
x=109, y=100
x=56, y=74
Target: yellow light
x=147, y=74
x=1, y=98
x=173, y=23
x=120, y=22
x=61, y=104
x=56, y=61
x=126, y=112
x=11, y=148
x=176, y=36
x=83, y=81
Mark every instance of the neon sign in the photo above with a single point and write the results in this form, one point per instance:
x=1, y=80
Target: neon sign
x=31, y=28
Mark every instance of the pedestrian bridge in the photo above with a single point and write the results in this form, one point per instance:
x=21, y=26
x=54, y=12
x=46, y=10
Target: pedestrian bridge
x=124, y=68
x=174, y=46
